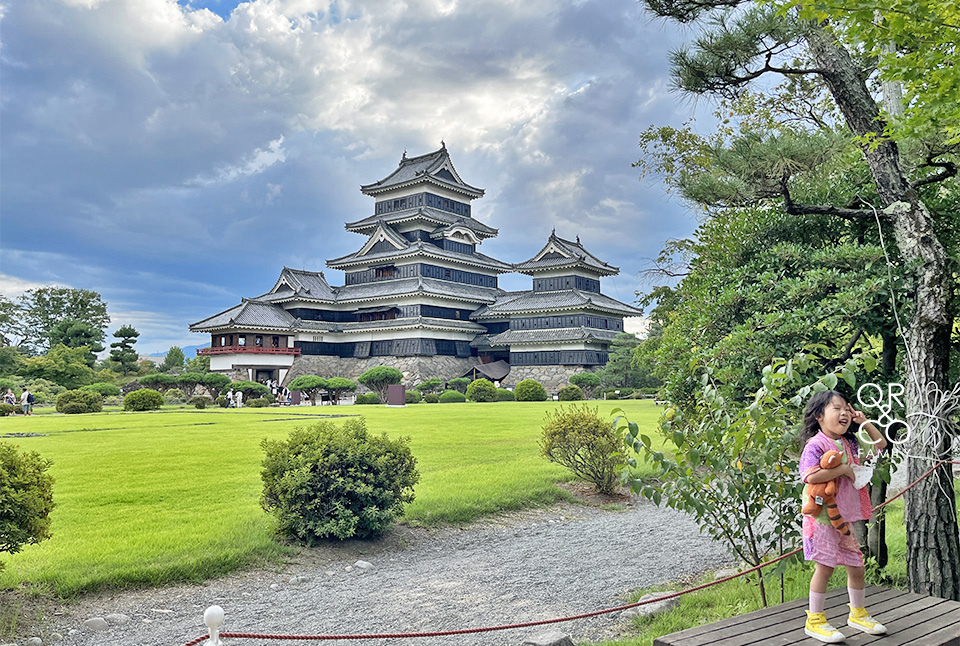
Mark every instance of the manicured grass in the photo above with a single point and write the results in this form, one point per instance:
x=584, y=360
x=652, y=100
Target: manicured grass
x=738, y=597
x=173, y=495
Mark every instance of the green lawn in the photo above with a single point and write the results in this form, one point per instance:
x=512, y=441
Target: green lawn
x=173, y=495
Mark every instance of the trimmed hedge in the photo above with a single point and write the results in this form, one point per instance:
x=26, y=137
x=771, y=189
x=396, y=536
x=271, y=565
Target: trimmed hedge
x=504, y=395
x=482, y=390
x=143, y=399
x=73, y=402
x=452, y=397
x=368, y=398
x=431, y=398
x=570, y=393
x=413, y=397
x=530, y=390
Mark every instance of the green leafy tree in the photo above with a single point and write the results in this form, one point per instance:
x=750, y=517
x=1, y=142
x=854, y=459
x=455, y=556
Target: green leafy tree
x=173, y=361
x=200, y=363
x=61, y=365
x=103, y=389
x=429, y=385
x=743, y=41
x=159, y=381
x=26, y=498
x=10, y=360
x=250, y=389
x=77, y=334
x=379, y=378
x=620, y=371
x=215, y=382
x=588, y=382
x=188, y=382
x=337, y=386
x=123, y=353
x=43, y=308
x=11, y=325
x=459, y=384
x=309, y=385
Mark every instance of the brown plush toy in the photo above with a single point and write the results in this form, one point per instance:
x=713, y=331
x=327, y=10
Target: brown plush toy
x=824, y=493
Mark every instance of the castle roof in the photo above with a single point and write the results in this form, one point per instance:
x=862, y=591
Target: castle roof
x=417, y=286
x=529, y=302
x=299, y=284
x=561, y=254
x=432, y=217
x=432, y=168
x=250, y=313
x=558, y=335
x=411, y=250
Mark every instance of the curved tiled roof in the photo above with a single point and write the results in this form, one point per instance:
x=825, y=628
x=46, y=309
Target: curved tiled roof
x=417, y=285
x=559, y=253
x=248, y=314
x=532, y=302
x=428, y=214
x=557, y=335
x=299, y=283
x=435, y=168
x=420, y=248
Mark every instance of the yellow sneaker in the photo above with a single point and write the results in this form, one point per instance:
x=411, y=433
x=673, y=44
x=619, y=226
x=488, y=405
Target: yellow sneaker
x=861, y=620
x=819, y=628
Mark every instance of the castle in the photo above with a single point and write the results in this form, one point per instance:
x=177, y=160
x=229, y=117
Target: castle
x=420, y=297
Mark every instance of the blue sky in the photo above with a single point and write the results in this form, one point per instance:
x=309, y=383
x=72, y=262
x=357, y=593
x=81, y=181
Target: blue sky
x=175, y=156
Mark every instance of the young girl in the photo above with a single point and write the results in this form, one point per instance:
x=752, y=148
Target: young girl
x=827, y=425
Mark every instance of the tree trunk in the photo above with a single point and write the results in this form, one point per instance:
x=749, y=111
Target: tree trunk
x=933, y=542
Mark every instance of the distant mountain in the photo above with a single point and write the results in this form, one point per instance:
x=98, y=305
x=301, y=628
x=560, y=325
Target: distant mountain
x=189, y=351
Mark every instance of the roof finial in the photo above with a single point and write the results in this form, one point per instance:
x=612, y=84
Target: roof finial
x=404, y=154
x=553, y=232
x=578, y=239
x=443, y=146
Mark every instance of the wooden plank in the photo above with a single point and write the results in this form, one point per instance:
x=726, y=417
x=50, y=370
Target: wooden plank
x=783, y=614
x=911, y=619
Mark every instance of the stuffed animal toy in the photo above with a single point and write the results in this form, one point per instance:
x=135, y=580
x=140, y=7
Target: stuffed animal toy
x=824, y=493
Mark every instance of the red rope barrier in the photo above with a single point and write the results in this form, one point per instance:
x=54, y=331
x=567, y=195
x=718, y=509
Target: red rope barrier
x=543, y=622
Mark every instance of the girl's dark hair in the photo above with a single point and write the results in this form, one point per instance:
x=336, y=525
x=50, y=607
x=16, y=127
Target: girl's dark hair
x=815, y=407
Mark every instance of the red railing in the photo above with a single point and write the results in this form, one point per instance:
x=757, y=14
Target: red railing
x=248, y=349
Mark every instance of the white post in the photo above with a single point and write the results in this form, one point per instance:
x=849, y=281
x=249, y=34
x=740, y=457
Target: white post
x=213, y=617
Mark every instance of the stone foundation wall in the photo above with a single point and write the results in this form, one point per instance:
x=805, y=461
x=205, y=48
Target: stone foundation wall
x=414, y=369
x=553, y=378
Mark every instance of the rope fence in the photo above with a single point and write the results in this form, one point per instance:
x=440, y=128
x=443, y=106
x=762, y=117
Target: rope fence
x=213, y=617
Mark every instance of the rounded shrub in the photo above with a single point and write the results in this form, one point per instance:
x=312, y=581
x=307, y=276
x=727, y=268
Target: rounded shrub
x=413, y=397
x=333, y=481
x=200, y=401
x=459, y=384
x=451, y=397
x=143, y=399
x=367, y=398
x=26, y=498
x=570, y=393
x=586, y=443
x=72, y=402
x=587, y=381
x=530, y=390
x=7, y=409
x=482, y=390
x=222, y=401
x=257, y=402
x=431, y=398
x=504, y=395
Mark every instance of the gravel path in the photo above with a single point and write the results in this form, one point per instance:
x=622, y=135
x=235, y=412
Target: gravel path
x=534, y=565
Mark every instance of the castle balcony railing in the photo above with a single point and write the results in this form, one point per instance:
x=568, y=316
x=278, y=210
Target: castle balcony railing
x=248, y=349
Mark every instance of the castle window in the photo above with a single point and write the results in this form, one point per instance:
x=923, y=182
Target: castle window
x=384, y=272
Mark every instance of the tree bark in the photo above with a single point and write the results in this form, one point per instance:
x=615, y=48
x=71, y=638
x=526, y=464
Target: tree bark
x=933, y=541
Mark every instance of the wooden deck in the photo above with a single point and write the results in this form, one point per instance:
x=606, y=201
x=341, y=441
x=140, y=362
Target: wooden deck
x=911, y=619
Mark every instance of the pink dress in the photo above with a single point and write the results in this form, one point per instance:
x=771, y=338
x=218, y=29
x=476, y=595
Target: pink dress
x=821, y=540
